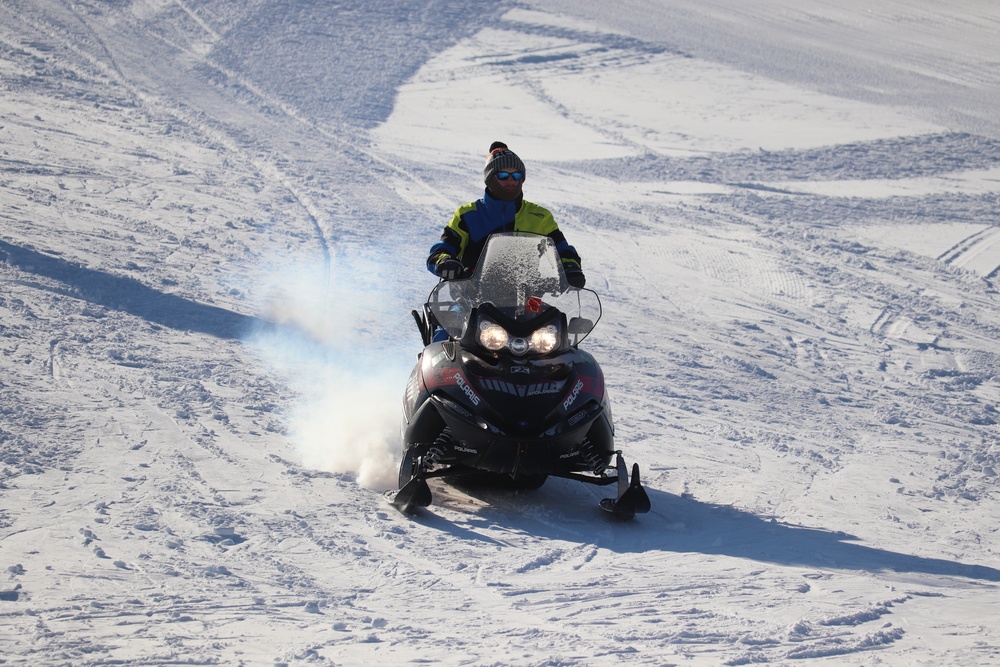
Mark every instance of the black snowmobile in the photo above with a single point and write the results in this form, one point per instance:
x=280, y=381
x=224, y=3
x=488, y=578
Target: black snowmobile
x=509, y=397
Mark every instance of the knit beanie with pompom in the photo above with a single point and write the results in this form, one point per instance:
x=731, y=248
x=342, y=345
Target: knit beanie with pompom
x=502, y=158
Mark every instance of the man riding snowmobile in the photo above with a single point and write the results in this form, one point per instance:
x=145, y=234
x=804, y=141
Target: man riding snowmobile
x=502, y=208
x=502, y=390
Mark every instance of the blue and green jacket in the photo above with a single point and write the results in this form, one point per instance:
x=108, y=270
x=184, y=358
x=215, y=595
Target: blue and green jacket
x=465, y=236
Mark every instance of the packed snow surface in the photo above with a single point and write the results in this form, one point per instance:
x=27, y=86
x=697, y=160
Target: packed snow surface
x=214, y=217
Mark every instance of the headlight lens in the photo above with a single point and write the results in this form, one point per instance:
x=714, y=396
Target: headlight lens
x=492, y=336
x=519, y=346
x=544, y=340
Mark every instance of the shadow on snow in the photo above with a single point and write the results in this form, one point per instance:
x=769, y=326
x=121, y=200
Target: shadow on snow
x=681, y=524
x=131, y=296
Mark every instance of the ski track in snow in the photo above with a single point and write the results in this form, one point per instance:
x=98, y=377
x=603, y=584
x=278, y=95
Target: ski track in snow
x=813, y=404
x=976, y=253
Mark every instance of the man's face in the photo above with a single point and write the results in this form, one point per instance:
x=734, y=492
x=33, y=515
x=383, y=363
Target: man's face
x=510, y=181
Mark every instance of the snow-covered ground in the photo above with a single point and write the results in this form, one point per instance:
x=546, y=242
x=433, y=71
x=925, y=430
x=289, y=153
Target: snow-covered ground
x=213, y=221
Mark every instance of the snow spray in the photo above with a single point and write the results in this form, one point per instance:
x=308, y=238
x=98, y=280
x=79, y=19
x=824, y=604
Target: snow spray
x=337, y=340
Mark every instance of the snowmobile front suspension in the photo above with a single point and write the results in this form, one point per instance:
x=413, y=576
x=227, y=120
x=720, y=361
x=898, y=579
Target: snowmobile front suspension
x=632, y=498
x=419, y=467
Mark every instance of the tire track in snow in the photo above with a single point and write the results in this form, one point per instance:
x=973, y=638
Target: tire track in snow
x=979, y=253
x=215, y=36
x=475, y=573
x=337, y=136
x=883, y=321
x=489, y=571
x=214, y=130
x=347, y=138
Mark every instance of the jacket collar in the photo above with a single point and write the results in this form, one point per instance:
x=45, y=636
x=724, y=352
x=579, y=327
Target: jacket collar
x=494, y=203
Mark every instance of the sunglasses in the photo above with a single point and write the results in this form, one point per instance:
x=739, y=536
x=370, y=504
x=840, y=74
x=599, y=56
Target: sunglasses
x=504, y=175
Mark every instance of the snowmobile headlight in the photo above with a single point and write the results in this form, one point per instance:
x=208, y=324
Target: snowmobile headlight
x=519, y=346
x=492, y=336
x=545, y=340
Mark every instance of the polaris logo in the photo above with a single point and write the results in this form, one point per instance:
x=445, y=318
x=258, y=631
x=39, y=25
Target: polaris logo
x=573, y=395
x=466, y=450
x=466, y=389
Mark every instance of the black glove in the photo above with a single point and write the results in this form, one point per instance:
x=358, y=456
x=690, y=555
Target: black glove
x=575, y=277
x=448, y=268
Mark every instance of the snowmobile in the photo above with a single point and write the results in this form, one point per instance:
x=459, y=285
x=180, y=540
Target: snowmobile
x=501, y=391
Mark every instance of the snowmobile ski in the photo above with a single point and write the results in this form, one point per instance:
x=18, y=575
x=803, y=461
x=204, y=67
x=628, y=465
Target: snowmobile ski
x=632, y=498
x=415, y=493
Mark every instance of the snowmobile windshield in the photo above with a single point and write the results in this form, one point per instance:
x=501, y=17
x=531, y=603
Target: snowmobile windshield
x=522, y=276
